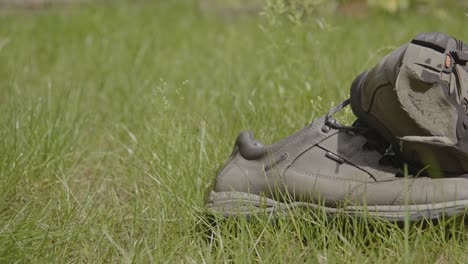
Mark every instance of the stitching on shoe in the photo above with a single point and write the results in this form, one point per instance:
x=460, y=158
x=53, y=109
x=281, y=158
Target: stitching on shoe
x=358, y=191
x=254, y=186
x=372, y=172
x=292, y=156
x=373, y=95
x=301, y=151
x=401, y=197
x=325, y=176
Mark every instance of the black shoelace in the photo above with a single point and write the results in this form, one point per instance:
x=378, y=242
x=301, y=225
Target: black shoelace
x=330, y=122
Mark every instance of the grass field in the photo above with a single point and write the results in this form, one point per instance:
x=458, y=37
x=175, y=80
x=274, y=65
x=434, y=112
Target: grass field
x=115, y=118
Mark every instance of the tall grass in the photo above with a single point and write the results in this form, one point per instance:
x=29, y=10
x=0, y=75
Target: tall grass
x=115, y=118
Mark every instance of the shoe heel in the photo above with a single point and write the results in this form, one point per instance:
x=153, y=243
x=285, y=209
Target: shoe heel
x=361, y=114
x=355, y=95
x=231, y=204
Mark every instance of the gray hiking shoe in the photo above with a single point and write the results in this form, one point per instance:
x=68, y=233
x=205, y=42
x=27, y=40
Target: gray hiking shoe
x=417, y=99
x=331, y=167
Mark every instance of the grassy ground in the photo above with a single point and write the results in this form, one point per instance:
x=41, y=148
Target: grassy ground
x=114, y=120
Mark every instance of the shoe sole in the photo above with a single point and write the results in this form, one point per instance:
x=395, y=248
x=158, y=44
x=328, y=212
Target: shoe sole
x=440, y=151
x=235, y=204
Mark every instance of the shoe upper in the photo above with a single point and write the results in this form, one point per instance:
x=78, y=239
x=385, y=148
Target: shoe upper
x=417, y=98
x=321, y=163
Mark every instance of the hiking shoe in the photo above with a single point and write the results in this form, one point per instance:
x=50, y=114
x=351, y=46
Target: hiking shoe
x=331, y=167
x=417, y=99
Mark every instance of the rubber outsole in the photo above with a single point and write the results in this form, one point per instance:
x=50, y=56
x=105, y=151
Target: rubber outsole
x=239, y=204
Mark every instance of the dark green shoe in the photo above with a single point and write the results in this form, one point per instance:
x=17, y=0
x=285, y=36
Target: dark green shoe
x=417, y=99
x=333, y=168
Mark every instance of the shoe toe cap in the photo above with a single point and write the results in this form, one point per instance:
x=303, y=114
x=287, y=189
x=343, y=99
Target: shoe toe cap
x=414, y=191
x=431, y=191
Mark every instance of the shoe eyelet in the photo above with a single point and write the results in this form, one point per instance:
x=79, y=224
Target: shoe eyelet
x=325, y=129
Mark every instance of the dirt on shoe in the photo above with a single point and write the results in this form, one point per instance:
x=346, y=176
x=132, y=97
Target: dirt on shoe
x=417, y=99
